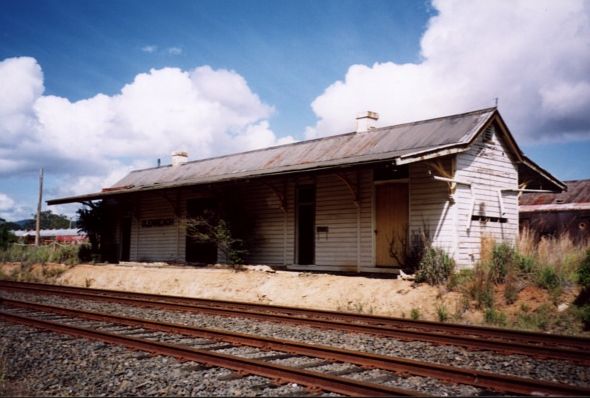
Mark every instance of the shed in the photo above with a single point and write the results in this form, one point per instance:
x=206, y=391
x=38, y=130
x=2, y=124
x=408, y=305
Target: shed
x=59, y=235
x=351, y=202
x=555, y=214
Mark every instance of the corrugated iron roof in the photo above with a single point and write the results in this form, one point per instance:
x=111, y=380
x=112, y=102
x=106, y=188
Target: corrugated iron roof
x=345, y=149
x=402, y=142
x=577, y=197
x=387, y=142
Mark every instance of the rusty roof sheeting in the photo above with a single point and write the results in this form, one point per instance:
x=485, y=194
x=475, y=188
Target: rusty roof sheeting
x=576, y=197
x=386, y=143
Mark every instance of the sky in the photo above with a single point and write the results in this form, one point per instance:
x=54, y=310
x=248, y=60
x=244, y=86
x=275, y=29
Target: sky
x=90, y=90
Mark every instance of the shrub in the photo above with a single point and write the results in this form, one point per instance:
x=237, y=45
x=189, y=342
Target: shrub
x=525, y=263
x=28, y=255
x=460, y=278
x=511, y=289
x=584, y=315
x=535, y=320
x=584, y=271
x=481, y=288
x=415, y=314
x=435, y=267
x=442, y=312
x=494, y=317
x=501, y=262
x=85, y=253
x=547, y=278
x=214, y=229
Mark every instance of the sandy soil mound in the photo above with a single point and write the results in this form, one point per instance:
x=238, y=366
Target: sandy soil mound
x=261, y=284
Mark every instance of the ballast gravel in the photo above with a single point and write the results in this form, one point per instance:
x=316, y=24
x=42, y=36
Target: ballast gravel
x=548, y=370
x=48, y=364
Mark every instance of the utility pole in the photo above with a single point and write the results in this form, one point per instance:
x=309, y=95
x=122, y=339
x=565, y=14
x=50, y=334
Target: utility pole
x=39, y=203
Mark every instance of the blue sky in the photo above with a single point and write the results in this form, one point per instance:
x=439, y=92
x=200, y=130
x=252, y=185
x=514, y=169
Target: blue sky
x=289, y=70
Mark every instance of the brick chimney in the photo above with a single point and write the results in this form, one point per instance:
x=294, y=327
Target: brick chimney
x=366, y=121
x=178, y=158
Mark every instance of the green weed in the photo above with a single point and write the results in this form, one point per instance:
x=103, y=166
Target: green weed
x=442, y=312
x=435, y=267
x=494, y=317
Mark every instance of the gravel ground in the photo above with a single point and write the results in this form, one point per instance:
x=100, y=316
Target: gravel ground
x=549, y=370
x=48, y=364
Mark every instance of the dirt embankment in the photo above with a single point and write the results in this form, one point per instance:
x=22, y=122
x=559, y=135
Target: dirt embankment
x=360, y=294
x=385, y=296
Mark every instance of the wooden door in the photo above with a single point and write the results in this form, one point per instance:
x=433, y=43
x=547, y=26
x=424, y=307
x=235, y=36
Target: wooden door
x=391, y=220
x=195, y=251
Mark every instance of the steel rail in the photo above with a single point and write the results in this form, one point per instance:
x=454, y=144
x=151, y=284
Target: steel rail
x=486, y=380
x=280, y=373
x=502, y=346
x=513, y=335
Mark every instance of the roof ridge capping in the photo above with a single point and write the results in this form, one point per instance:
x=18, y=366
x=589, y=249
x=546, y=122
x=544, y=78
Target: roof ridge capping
x=416, y=122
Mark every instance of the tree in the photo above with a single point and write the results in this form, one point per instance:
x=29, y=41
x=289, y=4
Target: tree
x=210, y=228
x=49, y=221
x=6, y=237
x=91, y=221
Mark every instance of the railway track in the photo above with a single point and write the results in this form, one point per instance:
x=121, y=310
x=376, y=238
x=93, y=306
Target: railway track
x=485, y=380
x=539, y=345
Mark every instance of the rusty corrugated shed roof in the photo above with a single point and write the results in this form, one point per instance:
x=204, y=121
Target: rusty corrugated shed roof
x=577, y=197
x=387, y=143
x=378, y=144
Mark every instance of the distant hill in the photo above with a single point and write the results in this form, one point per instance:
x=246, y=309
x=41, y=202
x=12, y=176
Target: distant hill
x=49, y=220
x=22, y=223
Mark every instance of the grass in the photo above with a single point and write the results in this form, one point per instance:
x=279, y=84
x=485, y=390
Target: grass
x=53, y=253
x=495, y=317
x=534, y=320
x=554, y=264
x=358, y=307
x=442, y=312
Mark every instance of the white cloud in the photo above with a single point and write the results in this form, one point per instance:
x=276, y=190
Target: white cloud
x=91, y=143
x=10, y=210
x=174, y=50
x=6, y=202
x=149, y=49
x=533, y=55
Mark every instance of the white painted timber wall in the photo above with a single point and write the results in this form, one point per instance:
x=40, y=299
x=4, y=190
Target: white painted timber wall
x=157, y=243
x=431, y=211
x=348, y=242
x=488, y=166
x=273, y=239
x=348, y=245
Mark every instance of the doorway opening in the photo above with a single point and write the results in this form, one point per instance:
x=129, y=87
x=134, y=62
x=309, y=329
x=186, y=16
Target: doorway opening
x=200, y=252
x=125, y=239
x=305, y=224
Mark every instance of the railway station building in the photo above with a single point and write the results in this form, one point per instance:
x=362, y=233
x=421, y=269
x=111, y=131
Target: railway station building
x=354, y=202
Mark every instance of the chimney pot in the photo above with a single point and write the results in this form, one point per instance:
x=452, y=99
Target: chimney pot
x=365, y=121
x=179, y=157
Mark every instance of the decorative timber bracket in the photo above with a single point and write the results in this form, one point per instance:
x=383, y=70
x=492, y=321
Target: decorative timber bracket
x=281, y=196
x=354, y=188
x=442, y=174
x=174, y=202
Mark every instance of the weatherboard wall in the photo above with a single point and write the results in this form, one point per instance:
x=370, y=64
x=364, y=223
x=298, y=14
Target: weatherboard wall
x=488, y=167
x=432, y=215
x=154, y=243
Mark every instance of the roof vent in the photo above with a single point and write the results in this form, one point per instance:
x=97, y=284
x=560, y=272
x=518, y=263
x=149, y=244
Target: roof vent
x=179, y=157
x=365, y=121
